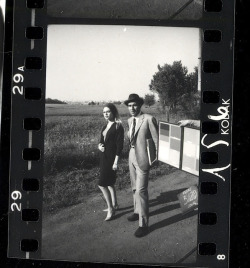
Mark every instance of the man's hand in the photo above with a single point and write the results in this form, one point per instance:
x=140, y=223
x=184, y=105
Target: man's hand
x=183, y=123
x=101, y=147
x=194, y=123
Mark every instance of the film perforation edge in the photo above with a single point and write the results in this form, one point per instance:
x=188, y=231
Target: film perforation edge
x=208, y=177
x=28, y=229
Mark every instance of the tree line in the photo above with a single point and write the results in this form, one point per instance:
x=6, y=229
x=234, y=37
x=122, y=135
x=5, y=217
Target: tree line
x=54, y=101
x=177, y=90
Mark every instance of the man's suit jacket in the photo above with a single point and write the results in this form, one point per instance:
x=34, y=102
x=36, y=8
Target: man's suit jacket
x=146, y=128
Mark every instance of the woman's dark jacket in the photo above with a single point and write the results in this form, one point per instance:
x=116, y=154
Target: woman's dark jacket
x=113, y=145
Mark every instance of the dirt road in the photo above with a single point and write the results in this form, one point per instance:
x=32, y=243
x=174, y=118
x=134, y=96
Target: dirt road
x=79, y=233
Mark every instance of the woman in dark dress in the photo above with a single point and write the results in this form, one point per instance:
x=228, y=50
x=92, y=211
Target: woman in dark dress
x=110, y=146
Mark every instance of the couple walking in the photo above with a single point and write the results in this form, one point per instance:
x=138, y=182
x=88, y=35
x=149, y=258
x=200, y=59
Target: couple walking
x=142, y=127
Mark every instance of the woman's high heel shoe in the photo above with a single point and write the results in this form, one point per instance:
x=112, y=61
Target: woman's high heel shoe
x=110, y=215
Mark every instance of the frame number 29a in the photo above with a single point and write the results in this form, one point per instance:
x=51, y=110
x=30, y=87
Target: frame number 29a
x=16, y=195
x=18, y=80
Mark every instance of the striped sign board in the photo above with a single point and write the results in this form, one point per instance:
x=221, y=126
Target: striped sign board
x=169, y=144
x=191, y=150
x=179, y=147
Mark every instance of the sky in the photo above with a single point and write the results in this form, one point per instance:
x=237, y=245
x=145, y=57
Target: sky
x=107, y=63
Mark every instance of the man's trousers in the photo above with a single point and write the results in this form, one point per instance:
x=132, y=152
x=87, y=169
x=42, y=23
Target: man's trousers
x=139, y=184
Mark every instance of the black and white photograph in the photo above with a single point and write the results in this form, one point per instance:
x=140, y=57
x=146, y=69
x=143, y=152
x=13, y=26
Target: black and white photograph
x=116, y=132
x=121, y=144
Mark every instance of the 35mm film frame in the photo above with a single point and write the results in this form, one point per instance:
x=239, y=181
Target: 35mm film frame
x=28, y=116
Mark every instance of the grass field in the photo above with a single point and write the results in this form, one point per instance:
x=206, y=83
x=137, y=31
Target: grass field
x=71, y=171
x=127, y=9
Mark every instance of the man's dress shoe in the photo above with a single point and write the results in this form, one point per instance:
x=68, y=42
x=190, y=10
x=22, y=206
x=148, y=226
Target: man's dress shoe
x=141, y=231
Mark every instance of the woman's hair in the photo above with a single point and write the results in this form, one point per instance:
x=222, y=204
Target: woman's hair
x=114, y=112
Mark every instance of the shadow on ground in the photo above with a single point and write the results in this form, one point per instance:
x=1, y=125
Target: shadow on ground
x=79, y=233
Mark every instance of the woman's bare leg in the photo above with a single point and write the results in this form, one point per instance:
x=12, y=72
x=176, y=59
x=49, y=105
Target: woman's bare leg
x=108, y=199
x=113, y=195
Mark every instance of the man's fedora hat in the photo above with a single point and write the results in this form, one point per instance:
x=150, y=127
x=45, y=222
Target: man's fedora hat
x=134, y=98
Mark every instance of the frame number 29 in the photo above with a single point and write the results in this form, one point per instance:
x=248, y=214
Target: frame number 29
x=16, y=195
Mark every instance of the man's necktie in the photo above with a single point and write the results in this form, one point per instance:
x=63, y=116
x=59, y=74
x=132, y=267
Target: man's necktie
x=133, y=132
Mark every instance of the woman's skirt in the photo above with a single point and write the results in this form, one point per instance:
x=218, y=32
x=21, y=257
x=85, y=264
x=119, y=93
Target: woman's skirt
x=107, y=174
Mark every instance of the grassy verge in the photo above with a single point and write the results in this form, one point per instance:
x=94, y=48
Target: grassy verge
x=71, y=168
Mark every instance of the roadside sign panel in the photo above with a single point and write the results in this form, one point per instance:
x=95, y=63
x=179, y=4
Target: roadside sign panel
x=169, y=144
x=189, y=199
x=179, y=147
x=191, y=150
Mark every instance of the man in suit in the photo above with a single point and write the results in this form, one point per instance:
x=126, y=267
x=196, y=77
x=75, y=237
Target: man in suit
x=142, y=127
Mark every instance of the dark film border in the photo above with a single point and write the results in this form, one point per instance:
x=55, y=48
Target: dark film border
x=25, y=108
x=28, y=75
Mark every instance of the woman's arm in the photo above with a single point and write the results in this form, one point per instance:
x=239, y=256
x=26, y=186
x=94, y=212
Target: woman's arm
x=101, y=142
x=101, y=136
x=119, y=146
x=119, y=140
x=115, y=165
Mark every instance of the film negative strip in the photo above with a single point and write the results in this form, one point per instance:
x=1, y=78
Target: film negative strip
x=145, y=66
